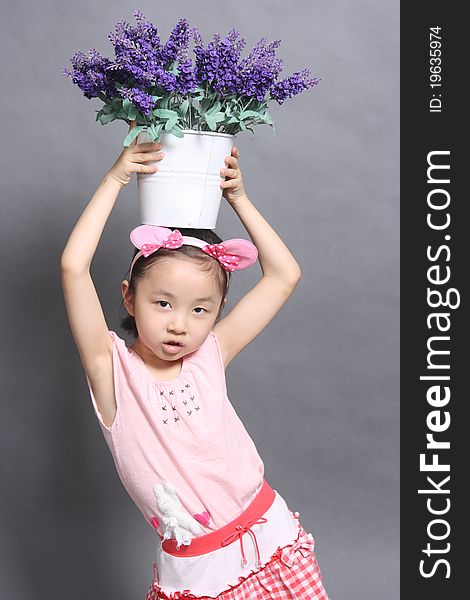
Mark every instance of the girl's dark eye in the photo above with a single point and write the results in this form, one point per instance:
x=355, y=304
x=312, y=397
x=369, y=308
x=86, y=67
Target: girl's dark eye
x=200, y=307
x=160, y=301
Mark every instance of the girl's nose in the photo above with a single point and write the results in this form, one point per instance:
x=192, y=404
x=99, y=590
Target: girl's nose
x=177, y=325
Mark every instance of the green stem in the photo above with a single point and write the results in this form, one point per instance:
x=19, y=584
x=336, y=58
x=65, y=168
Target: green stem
x=247, y=104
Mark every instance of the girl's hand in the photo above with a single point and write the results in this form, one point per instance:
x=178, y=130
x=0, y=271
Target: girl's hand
x=233, y=184
x=133, y=158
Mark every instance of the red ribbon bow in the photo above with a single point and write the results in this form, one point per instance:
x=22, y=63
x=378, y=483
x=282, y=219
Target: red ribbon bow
x=228, y=261
x=304, y=546
x=174, y=240
x=240, y=531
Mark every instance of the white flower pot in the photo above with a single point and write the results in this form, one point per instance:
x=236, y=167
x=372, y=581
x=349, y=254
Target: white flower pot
x=185, y=191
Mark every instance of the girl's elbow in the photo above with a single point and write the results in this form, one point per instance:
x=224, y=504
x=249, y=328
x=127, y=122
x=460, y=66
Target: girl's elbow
x=296, y=275
x=293, y=278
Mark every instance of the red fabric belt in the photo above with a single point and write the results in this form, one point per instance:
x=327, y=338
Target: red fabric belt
x=230, y=532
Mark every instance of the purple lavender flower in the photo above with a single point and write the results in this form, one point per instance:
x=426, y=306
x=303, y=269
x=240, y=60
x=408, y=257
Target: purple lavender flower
x=177, y=45
x=207, y=59
x=186, y=80
x=139, y=52
x=218, y=63
x=228, y=76
x=143, y=68
x=255, y=76
x=292, y=85
x=91, y=74
x=260, y=69
x=143, y=101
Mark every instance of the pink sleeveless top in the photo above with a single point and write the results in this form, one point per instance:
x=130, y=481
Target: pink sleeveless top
x=184, y=431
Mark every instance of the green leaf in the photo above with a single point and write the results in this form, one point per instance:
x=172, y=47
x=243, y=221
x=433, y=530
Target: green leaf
x=133, y=133
x=206, y=102
x=164, y=113
x=126, y=104
x=174, y=68
x=242, y=126
x=156, y=131
x=220, y=116
x=177, y=131
x=210, y=120
x=234, y=119
x=105, y=119
x=249, y=113
x=214, y=108
x=171, y=122
x=268, y=119
x=132, y=113
x=184, y=107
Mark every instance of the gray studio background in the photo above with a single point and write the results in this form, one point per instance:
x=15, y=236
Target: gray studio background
x=317, y=390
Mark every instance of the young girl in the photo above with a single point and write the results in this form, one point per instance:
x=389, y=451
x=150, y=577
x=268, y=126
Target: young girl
x=179, y=447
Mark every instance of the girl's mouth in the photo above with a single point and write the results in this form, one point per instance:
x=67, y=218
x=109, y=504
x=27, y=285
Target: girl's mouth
x=172, y=347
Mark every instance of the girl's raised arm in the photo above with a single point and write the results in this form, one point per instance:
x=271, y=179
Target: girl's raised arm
x=281, y=271
x=84, y=312
x=87, y=322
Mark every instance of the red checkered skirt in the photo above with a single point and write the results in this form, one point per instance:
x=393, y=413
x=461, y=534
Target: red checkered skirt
x=292, y=573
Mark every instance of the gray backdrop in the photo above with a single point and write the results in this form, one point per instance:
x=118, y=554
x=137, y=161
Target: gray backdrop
x=317, y=390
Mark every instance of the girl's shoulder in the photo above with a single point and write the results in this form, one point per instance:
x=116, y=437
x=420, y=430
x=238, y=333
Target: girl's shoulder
x=118, y=340
x=208, y=357
x=120, y=348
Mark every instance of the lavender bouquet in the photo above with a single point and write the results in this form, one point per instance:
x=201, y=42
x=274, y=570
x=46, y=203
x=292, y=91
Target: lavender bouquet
x=160, y=88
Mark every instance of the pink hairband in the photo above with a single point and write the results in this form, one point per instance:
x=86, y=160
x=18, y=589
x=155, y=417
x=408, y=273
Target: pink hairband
x=232, y=254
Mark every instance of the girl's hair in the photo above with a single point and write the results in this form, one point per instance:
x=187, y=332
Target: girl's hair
x=207, y=263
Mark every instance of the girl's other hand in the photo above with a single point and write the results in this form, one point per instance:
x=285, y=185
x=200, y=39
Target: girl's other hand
x=133, y=158
x=233, y=184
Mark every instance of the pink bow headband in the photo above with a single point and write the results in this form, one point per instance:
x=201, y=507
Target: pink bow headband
x=232, y=254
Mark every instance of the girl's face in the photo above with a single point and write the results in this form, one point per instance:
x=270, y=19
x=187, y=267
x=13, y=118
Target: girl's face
x=173, y=304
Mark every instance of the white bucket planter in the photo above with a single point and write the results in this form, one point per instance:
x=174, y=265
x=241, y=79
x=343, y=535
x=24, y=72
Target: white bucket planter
x=185, y=191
